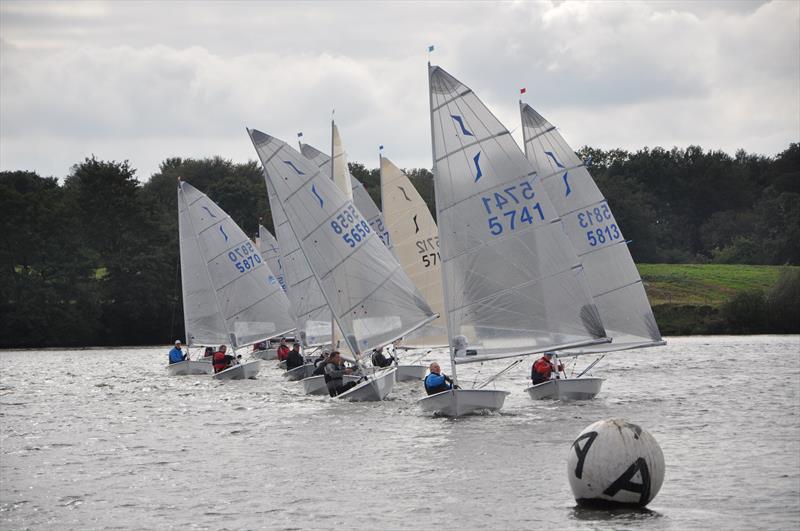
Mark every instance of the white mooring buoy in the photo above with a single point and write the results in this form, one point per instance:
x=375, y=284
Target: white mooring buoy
x=614, y=462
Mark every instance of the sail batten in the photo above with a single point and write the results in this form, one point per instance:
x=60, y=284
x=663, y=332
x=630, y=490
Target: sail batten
x=467, y=146
x=613, y=278
x=507, y=265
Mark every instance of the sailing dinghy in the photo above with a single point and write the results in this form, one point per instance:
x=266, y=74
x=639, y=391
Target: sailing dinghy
x=227, y=297
x=512, y=282
x=597, y=239
x=371, y=298
x=190, y=367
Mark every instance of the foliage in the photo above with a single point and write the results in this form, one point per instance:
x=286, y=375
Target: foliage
x=783, y=308
x=95, y=261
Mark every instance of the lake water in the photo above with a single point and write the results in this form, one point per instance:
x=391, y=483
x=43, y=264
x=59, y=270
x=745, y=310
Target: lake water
x=104, y=439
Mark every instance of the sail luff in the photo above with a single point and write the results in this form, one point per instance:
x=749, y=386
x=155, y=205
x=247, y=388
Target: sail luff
x=438, y=202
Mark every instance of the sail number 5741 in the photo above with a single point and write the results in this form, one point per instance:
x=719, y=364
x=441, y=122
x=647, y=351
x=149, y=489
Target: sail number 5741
x=512, y=208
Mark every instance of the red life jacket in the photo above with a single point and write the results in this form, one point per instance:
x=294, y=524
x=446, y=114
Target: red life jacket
x=221, y=361
x=283, y=352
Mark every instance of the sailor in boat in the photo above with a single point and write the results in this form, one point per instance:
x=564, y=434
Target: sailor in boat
x=176, y=355
x=380, y=360
x=222, y=360
x=543, y=368
x=209, y=353
x=334, y=373
x=261, y=345
x=320, y=362
x=294, y=358
x=283, y=350
x=436, y=382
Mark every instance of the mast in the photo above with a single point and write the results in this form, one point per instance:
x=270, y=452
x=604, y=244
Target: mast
x=437, y=201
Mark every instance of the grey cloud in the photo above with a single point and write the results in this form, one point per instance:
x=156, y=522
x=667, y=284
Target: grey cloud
x=164, y=79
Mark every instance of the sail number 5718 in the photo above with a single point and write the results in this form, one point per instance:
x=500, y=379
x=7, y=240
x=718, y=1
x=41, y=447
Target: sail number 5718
x=512, y=208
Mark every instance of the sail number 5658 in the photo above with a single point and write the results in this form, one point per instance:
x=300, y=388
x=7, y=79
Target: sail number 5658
x=349, y=225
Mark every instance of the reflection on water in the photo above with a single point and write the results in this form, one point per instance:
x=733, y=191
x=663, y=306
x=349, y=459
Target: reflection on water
x=617, y=516
x=102, y=438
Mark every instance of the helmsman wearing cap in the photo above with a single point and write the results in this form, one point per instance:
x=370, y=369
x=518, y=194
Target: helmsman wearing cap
x=176, y=354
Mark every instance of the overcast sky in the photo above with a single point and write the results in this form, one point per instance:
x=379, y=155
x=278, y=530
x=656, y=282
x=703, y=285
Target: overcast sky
x=146, y=81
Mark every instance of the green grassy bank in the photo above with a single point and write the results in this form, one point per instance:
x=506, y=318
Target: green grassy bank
x=707, y=298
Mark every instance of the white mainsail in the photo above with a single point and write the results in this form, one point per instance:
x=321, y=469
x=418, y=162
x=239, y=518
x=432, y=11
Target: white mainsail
x=512, y=282
x=361, y=198
x=268, y=246
x=416, y=245
x=227, y=296
x=312, y=316
x=372, y=299
x=595, y=235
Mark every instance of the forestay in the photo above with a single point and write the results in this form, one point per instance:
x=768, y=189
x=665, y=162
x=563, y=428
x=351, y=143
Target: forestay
x=372, y=299
x=227, y=296
x=512, y=282
x=416, y=246
x=268, y=246
x=595, y=235
x=312, y=316
x=361, y=198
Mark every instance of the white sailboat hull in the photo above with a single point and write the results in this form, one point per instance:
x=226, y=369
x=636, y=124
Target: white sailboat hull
x=268, y=354
x=409, y=373
x=298, y=373
x=374, y=389
x=315, y=385
x=568, y=389
x=243, y=371
x=459, y=402
x=182, y=368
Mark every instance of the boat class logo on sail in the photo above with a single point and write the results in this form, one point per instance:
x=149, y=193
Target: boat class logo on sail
x=566, y=173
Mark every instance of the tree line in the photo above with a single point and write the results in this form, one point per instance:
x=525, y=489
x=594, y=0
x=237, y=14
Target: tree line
x=94, y=260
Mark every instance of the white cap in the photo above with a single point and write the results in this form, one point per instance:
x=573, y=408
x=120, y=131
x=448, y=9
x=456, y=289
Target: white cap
x=177, y=341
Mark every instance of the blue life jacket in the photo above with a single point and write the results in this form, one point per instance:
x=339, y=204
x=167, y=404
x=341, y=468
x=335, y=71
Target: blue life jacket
x=175, y=355
x=436, y=383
